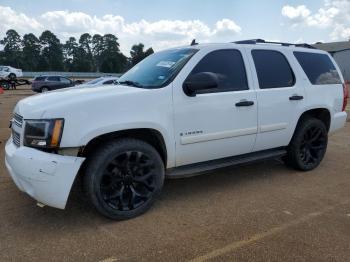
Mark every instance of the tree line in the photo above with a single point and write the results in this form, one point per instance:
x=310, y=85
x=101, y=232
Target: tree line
x=89, y=53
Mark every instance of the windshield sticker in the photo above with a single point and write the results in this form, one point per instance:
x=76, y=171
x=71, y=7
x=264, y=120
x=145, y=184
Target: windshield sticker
x=166, y=64
x=161, y=77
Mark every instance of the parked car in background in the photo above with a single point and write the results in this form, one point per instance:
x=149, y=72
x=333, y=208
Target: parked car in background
x=10, y=72
x=108, y=80
x=42, y=84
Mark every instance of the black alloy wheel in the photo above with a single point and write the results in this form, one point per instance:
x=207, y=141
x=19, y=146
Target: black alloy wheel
x=123, y=178
x=308, y=146
x=128, y=181
x=313, y=145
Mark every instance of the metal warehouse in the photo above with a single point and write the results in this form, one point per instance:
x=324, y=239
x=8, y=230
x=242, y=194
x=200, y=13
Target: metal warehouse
x=341, y=54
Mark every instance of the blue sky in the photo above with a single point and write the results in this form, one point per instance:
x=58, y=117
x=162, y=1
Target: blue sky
x=163, y=24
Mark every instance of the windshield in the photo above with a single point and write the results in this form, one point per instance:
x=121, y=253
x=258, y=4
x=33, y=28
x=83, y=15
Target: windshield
x=158, y=69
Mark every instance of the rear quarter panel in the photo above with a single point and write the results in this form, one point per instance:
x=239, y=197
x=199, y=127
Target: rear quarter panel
x=328, y=96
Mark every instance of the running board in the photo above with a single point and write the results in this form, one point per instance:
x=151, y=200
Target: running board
x=198, y=168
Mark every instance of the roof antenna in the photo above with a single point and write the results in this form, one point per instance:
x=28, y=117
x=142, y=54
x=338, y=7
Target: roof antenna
x=194, y=42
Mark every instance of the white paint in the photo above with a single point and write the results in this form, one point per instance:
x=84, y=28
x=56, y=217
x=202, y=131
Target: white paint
x=218, y=135
x=273, y=127
x=227, y=130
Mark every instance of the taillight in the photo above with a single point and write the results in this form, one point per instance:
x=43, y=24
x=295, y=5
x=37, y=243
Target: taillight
x=346, y=94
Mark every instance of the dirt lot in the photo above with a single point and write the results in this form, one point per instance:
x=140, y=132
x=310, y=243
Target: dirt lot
x=262, y=212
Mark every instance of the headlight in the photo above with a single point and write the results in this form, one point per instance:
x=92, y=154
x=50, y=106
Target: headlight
x=43, y=133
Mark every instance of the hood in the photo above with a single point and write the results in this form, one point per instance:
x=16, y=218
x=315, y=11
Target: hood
x=37, y=106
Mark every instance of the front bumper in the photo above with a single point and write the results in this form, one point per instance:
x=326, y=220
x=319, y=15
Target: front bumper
x=46, y=177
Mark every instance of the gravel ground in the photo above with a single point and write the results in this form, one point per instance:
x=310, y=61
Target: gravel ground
x=261, y=212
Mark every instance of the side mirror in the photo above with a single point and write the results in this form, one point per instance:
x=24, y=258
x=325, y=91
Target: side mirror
x=200, y=81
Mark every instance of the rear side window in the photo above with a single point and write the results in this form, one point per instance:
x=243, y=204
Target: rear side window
x=319, y=68
x=273, y=69
x=229, y=67
x=53, y=78
x=40, y=78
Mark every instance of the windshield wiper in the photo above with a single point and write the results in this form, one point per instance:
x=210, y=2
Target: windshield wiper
x=130, y=83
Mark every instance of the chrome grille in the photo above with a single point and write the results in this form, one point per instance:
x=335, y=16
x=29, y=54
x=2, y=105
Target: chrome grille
x=17, y=120
x=17, y=123
x=16, y=138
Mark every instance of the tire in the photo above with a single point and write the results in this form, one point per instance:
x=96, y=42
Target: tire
x=5, y=85
x=12, y=76
x=44, y=89
x=123, y=178
x=308, y=145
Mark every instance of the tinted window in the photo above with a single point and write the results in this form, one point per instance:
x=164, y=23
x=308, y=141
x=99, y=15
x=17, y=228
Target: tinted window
x=53, y=78
x=229, y=67
x=318, y=67
x=65, y=80
x=273, y=69
x=40, y=78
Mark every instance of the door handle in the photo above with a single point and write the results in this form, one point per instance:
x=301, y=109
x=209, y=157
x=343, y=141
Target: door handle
x=245, y=103
x=296, y=97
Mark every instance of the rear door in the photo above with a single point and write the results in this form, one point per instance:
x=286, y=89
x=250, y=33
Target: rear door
x=280, y=94
x=53, y=82
x=212, y=124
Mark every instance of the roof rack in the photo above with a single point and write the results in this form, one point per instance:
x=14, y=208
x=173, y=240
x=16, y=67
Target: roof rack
x=262, y=41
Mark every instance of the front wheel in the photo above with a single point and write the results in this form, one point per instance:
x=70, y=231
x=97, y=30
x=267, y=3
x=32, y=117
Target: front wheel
x=308, y=145
x=123, y=178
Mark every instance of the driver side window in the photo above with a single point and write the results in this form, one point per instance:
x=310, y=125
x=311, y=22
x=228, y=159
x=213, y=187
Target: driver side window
x=229, y=68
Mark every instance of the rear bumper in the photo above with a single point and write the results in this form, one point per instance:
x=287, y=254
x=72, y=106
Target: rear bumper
x=46, y=177
x=338, y=121
x=35, y=88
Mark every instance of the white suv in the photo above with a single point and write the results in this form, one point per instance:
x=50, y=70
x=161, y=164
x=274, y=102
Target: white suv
x=10, y=72
x=177, y=113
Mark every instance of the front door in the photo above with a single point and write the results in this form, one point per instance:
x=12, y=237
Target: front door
x=219, y=122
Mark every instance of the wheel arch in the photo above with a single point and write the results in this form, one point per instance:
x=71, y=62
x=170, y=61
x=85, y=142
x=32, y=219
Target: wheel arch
x=321, y=113
x=148, y=135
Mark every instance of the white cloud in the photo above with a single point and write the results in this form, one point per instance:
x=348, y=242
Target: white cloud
x=158, y=34
x=19, y=21
x=333, y=15
x=291, y=12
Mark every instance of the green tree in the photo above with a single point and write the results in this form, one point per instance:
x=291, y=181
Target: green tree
x=97, y=50
x=69, y=53
x=138, y=54
x=52, y=52
x=12, y=48
x=113, y=60
x=31, y=52
x=84, y=56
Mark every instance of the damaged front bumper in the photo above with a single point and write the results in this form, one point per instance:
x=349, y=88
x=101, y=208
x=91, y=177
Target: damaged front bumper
x=46, y=177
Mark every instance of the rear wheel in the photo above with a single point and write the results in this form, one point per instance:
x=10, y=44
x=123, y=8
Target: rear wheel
x=308, y=145
x=123, y=178
x=12, y=76
x=45, y=89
